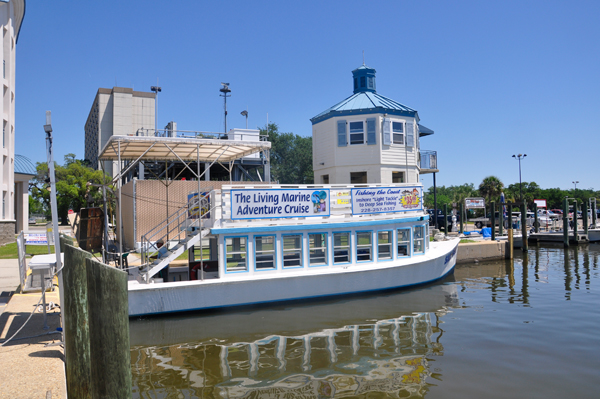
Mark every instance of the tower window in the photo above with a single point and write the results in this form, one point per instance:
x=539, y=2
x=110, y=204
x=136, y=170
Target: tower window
x=398, y=132
x=357, y=133
x=355, y=83
x=363, y=82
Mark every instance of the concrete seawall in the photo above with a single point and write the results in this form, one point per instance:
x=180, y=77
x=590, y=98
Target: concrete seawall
x=480, y=251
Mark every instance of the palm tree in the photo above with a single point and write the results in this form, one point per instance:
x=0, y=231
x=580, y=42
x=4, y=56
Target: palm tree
x=490, y=187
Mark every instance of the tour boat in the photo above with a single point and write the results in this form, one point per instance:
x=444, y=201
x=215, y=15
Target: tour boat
x=271, y=243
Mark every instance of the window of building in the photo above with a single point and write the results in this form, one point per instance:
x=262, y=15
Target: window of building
x=357, y=132
x=397, y=177
x=358, y=177
x=371, y=82
x=236, y=254
x=419, y=239
x=364, y=246
x=355, y=83
x=403, y=242
x=325, y=179
x=384, y=245
x=317, y=249
x=264, y=252
x=398, y=133
x=341, y=247
x=363, y=82
x=292, y=250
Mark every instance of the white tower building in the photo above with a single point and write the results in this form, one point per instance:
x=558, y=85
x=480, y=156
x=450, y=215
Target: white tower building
x=369, y=138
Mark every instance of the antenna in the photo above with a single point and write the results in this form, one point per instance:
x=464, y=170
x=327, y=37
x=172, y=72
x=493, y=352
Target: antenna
x=363, y=57
x=225, y=90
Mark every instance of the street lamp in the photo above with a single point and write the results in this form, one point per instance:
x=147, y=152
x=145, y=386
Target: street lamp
x=575, y=183
x=155, y=89
x=245, y=113
x=519, y=157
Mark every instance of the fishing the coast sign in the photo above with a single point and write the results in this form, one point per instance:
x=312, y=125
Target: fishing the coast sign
x=386, y=199
x=279, y=203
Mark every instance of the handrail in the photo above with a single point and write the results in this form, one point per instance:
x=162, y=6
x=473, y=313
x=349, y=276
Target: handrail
x=172, y=227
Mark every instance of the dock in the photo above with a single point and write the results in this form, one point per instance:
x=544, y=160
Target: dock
x=558, y=237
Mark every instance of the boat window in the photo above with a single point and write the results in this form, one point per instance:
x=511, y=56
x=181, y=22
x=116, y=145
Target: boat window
x=427, y=237
x=317, y=248
x=419, y=239
x=341, y=247
x=364, y=246
x=403, y=242
x=384, y=244
x=264, y=250
x=292, y=250
x=235, y=254
x=357, y=133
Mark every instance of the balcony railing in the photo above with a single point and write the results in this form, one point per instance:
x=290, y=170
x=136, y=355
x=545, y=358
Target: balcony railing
x=428, y=159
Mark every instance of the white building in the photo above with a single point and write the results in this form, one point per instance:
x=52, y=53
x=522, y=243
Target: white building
x=116, y=112
x=369, y=138
x=12, y=13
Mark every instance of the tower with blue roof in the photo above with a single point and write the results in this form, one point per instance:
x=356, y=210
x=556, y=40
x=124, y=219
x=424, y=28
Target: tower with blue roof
x=369, y=138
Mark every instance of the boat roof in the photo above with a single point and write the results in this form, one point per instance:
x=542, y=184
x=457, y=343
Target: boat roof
x=174, y=148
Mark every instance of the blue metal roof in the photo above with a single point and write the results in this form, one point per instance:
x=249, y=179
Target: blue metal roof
x=365, y=103
x=424, y=131
x=24, y=166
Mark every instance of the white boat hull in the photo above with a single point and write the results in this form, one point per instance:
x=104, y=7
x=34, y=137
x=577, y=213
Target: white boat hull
x=150, y=299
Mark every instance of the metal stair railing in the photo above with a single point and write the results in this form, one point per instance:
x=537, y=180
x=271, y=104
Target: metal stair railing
x=176, y=227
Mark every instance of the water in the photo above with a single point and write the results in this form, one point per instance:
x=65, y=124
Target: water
x=523, y=329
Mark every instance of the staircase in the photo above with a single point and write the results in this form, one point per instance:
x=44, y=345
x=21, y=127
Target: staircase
x=184, y=226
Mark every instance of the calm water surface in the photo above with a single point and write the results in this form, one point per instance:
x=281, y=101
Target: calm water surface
x=523, y=329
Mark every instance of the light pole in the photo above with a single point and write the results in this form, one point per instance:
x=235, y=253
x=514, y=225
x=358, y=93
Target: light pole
x=519, y=157
x=155, y=89
x=575, y=183
x=245, y=113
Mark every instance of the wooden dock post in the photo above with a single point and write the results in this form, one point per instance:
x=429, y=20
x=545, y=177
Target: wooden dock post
x=96, y=326
x=566, y=222
x=109, y=331
x=75, y=322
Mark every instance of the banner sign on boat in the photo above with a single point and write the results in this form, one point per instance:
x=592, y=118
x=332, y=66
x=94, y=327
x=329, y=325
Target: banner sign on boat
x=204, y=205
x=279, y=203
x=386, y=199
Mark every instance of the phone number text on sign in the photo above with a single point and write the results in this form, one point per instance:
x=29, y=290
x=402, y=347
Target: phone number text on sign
x=386, y=199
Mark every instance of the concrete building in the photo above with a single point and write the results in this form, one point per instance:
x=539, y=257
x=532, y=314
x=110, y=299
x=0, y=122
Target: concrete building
x=369, y=138
x=12, y=13
x=118, y=111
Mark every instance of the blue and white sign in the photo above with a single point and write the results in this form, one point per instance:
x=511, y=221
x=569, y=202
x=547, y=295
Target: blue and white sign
x=279, y=203
x=386, y=199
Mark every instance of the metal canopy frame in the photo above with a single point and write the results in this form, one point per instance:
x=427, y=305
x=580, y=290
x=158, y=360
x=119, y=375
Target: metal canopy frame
x=184, y=150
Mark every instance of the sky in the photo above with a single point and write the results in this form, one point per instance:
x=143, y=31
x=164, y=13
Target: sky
x=491, y=78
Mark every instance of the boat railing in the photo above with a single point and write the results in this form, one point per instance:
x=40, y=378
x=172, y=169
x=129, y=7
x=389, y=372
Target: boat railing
x=198, y=213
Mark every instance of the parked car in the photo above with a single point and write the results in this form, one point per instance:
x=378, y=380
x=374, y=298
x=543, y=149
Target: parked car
x=559, y=212
x=550, y=214
x=440, y=218
x=32, y=221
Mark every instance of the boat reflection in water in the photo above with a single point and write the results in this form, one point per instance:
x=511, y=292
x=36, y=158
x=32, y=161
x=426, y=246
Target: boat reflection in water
x=335, y=348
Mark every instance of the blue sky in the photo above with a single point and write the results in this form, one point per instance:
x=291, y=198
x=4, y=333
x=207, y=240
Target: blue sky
x=492, y=79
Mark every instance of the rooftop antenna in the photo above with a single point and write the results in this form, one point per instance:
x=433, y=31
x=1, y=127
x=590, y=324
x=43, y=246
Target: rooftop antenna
x=225, y=90
x=363, y=57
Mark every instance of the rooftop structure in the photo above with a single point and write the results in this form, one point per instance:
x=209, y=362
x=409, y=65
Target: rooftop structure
x=369, y=138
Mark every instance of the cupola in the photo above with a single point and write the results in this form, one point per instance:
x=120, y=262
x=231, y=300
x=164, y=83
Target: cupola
x=364, y=79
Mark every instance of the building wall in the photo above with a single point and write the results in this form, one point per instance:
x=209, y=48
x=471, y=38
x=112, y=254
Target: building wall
x=378, y=160
x=118, y=111
x=11, y=15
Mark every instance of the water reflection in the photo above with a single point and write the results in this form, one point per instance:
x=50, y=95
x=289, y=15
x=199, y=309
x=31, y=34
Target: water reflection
x=387, y=345
x=382, y=345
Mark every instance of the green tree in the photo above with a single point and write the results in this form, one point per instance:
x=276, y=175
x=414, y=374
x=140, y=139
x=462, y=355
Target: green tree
x=291, y=156
x=449, y=195
x=490, y=188
x=72, y=189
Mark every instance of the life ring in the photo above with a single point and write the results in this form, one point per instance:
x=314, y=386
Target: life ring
x=194, y=271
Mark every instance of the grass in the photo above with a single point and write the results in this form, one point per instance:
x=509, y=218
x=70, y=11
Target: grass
x=10, y=251
x=466, y=241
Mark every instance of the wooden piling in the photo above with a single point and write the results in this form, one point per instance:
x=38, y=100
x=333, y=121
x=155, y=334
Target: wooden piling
x=109, y=331
x=75, y=323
